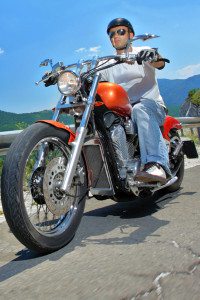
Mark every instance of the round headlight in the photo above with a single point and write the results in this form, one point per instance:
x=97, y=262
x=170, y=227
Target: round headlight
x=68, y=83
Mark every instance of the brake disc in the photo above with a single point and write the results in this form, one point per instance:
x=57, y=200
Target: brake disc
x=57, y=202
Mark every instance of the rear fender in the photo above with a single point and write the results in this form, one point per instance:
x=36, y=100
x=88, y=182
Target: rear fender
x=60, y=126
x=170, y=123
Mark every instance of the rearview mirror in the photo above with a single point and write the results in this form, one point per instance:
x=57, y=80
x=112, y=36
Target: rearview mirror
x=145, y=37
x=45, y=62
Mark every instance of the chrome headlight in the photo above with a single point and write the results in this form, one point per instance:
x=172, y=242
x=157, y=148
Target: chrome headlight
x=68, y=83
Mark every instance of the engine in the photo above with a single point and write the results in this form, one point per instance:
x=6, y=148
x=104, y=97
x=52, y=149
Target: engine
x=124, y=141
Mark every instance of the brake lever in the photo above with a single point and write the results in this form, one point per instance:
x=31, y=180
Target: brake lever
x=38, y=82
x=46, y=78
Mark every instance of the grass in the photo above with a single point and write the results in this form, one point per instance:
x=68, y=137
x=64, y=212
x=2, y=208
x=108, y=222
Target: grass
x=1, y=163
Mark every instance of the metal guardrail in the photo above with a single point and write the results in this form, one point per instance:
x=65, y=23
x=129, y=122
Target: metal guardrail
x=7, y=137
x=189, y=122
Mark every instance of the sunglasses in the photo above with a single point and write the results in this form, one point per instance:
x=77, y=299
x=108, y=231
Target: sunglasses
x=118, y=31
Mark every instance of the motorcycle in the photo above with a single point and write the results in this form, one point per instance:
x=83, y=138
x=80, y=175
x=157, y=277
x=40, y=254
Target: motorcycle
x=51, y=168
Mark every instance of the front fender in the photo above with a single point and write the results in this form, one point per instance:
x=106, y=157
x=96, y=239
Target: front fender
x=60, y=126
x=170, y=123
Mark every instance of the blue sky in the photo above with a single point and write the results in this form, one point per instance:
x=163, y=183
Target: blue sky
x=64, y=30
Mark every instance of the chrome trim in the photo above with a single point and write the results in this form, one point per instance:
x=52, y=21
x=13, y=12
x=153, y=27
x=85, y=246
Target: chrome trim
x=73, y=160
x=57, y=108
x=80, y=137
x=70, y=105
x=41, y=156
x=170, y=182
x=101, y=192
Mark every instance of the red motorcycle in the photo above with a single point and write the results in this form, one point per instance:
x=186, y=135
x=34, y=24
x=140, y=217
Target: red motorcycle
x=51, y=168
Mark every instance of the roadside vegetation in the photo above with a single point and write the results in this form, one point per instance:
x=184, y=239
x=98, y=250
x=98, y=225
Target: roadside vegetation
x=191, y=133
x=193, y=99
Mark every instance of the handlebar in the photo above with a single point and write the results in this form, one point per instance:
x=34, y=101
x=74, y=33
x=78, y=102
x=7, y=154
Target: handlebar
x=118, y=58
x=95, y=66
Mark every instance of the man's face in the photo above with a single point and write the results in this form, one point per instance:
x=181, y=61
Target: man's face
x=119, y=36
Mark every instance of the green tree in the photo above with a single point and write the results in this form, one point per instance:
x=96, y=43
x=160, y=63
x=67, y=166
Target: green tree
x=194, y=99
x=21, y=125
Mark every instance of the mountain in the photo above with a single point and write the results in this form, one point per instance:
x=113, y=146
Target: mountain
x=13, y=121
x=175, y=91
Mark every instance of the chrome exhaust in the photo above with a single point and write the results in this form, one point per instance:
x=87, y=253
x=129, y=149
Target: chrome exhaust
x=168, y=183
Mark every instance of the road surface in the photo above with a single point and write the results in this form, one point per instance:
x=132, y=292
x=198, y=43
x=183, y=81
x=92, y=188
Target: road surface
x=142, y=250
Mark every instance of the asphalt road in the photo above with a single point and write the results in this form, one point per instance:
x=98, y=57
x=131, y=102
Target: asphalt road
x=142, y=250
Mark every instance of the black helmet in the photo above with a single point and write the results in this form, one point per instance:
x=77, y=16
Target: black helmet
x=120, y=22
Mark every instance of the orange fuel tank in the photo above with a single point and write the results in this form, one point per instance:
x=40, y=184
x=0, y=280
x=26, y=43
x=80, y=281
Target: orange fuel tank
x=115, y=98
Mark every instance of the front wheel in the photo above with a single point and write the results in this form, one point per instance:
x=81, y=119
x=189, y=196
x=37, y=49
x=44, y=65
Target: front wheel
x=38, y=214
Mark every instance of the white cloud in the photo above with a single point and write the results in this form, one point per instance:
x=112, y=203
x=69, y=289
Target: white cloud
x=188, y=71
x=95, y=49
x=80, y=50
x=89, y=51
x=182, y=73
x=1, y=51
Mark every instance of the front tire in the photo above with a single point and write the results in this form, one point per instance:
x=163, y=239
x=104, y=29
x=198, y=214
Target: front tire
x=40, y=217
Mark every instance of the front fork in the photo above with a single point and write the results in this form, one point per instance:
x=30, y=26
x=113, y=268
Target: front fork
x=76, y=144
x=79, y=140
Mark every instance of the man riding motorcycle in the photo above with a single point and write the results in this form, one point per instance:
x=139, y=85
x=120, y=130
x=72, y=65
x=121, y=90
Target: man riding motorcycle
x=149, y=110
x=50, y=168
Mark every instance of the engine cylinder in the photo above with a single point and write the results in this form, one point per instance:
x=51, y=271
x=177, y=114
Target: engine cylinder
x=118, y=137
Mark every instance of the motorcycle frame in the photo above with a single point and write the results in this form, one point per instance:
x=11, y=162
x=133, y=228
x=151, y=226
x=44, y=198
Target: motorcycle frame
x=77, y=139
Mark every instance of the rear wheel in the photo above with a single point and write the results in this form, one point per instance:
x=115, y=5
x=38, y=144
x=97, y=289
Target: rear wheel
x=176, y=164
x=39, y=215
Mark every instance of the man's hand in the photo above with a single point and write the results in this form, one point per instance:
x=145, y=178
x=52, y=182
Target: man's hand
x=146, y=55
x=152, y=56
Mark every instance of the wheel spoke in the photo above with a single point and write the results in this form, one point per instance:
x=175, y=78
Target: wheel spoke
x=48, y=210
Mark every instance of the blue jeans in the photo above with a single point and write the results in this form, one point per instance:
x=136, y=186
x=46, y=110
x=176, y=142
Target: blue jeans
x=148, y=116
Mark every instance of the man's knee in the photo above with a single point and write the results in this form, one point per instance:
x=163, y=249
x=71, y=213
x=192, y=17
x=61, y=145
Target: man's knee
x=138, y=111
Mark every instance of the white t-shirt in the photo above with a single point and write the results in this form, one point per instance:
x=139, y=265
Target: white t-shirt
x=139, y=81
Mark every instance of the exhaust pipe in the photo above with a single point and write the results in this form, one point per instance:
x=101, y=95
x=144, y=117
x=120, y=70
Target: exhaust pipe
x=170, y=182
x=177, y=149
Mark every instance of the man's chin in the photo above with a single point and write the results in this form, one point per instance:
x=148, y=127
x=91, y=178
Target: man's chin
x=120, y=47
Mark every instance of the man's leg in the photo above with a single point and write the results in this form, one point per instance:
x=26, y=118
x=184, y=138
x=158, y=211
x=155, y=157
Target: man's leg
x=148, y=117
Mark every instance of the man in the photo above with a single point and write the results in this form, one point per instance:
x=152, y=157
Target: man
x=149, y=110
